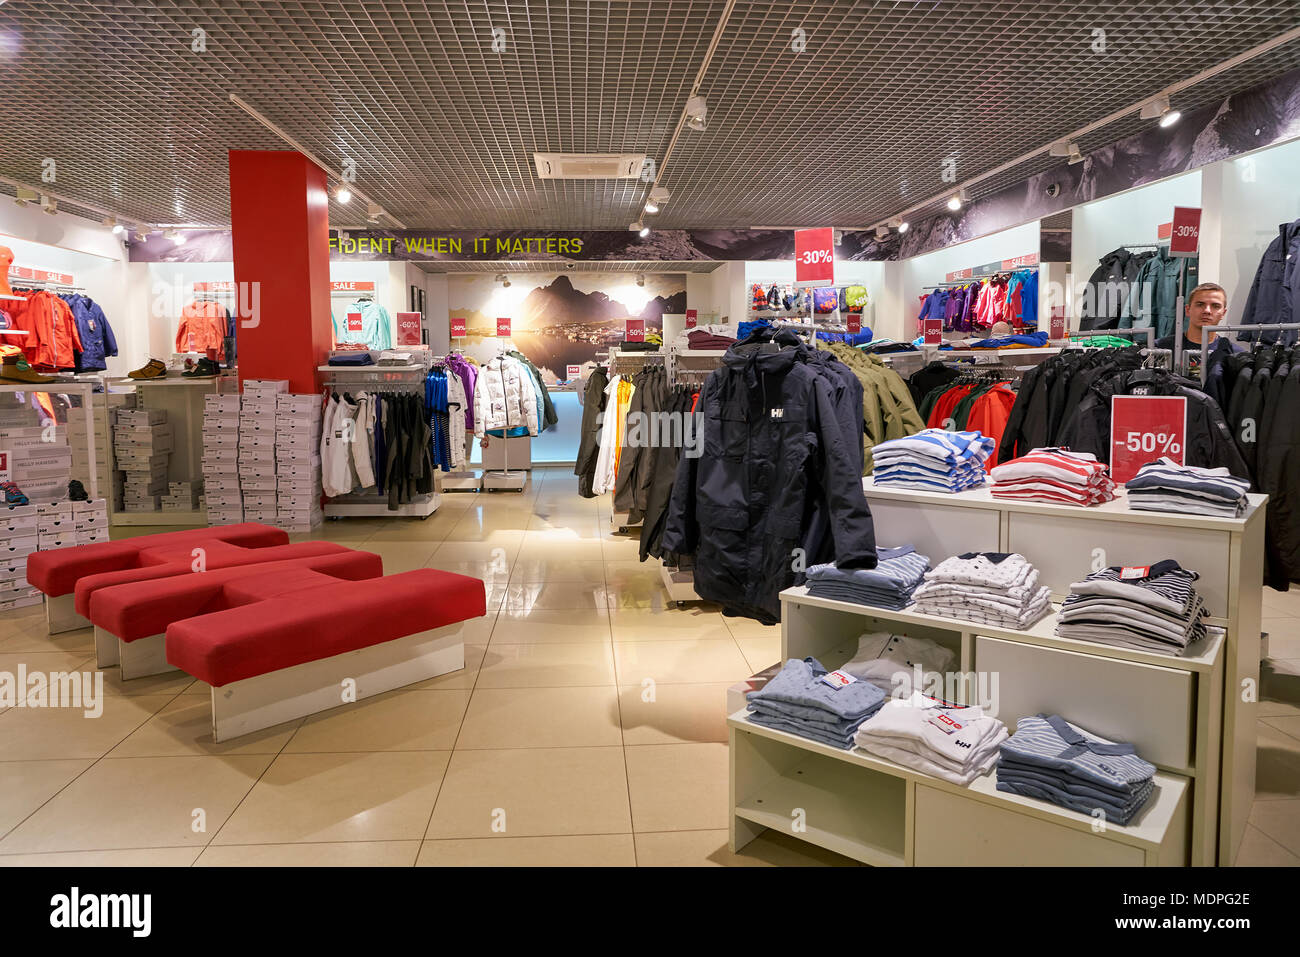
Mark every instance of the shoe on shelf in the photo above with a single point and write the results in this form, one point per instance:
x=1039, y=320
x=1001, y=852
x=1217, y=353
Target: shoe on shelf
x=77, y=492
x=17, y=369
x=203, y=369
x=13, y=494
x=153, y=369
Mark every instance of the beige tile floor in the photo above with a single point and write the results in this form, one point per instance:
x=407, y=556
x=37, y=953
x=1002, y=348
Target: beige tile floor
x=586, y=728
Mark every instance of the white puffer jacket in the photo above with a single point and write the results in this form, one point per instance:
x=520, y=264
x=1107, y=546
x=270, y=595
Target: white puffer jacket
x=504, y=397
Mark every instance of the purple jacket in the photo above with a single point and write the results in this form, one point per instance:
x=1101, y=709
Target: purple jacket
x=468, y=374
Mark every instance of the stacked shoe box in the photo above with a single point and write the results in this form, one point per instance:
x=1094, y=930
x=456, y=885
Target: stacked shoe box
x=109, y=479
x=257, y=479
x=183, y=496
x=40, y=461
x=221, y=459
x=297, y=462
x=19, y=537
x=142, y=445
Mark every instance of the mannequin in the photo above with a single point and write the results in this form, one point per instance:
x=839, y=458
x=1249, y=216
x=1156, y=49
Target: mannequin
x=6, y=260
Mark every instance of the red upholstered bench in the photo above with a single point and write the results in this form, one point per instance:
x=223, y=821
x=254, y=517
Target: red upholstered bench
x=164, y=563
x=130, y=618
x=57, y=572
x=304, y=651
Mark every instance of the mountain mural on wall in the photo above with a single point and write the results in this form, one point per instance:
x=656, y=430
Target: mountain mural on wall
x=560, y=319
x=560, y=301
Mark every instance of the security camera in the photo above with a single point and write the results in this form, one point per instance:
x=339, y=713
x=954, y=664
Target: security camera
x=570, y=265
x=1053, y=189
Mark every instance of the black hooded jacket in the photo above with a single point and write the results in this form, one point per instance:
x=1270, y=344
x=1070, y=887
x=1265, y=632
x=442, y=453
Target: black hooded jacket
x=774, y=452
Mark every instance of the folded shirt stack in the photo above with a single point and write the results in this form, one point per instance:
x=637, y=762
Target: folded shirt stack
x=1054, y=475
x=797, y=700
x=1051, y=759
x=932, y=460
x=988, y=587
x=889, y=585
x=1146, y=607
x=949, y=741
x=706, y=339
x=1166, y=486
x=899, y=664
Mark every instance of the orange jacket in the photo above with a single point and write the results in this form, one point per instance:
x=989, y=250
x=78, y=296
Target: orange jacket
x=51, y=331
x=203, y=327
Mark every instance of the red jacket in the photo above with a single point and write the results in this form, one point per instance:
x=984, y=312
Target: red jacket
x=203, y=327
x=51, y=328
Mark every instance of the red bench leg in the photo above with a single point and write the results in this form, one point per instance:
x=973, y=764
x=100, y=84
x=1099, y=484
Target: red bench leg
x=264, y=701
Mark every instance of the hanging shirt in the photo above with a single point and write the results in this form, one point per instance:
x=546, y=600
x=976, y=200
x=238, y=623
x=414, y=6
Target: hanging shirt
x=374, y=328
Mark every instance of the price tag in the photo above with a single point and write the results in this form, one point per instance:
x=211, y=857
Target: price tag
x=944, y=723
x=1185, y=232
x=408, y=328
x=4, y=466
x=691, y=315
x=354, y=322
x=838, y=679
x=457, y=327
x=573, y=372
x=932, y=329
x=1056, y=329
x=1135, y=571
x=814, y=257
x=634, y=331
x=854, y=323
x=503, y=327
x=1142, y=429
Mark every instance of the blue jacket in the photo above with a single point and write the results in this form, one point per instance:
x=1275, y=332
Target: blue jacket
x=97, y=340
x=1275, y=293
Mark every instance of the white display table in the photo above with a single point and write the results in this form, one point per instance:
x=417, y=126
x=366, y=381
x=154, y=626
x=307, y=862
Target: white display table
x=1192, y=716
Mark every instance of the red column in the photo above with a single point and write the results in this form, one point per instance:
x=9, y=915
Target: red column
x=279, y=217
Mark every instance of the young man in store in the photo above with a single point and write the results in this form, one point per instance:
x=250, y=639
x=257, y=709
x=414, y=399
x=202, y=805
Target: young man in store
x=1206, y=306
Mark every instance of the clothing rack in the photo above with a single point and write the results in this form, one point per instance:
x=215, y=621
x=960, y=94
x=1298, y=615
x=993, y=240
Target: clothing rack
x=1207, y=331
x=351, y=294
x=43, y=285
x=463, y=480
x=377, y=379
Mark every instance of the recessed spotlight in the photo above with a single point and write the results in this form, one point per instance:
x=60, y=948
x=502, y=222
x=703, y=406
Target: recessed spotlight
x=343, y=195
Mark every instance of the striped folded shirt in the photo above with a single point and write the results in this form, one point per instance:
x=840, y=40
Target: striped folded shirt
x=1165, y=473
x=1074, y=468
x=952, y=447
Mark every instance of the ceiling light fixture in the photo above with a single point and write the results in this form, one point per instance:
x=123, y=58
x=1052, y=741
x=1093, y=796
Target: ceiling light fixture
x=1075, y=155
x=651, y=208
x=660, y=195
x=954, y=203
x=643, y=232
x=1155, y=107
x=904, y=226
x=881, y=233
x=48, y=204
x=640, y=279
x=1170, y=118
x=343, y=195
x=696, y=111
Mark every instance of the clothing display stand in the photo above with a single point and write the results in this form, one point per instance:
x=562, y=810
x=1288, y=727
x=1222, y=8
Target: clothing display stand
x=1207, y=331
x=403, y=378
x=183, y=400
x=462, y=481
x=1193, y=716
x=503, y=480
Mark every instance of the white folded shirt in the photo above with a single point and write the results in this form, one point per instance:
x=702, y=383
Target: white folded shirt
x=889, y=661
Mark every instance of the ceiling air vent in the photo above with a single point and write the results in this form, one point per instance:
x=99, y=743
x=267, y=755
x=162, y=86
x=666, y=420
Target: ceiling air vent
x=589, y=165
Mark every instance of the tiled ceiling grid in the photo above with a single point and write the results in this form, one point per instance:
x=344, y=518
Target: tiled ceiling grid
x=442, y=127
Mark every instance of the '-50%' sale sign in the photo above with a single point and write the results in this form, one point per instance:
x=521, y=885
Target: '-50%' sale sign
x=1144, y=428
